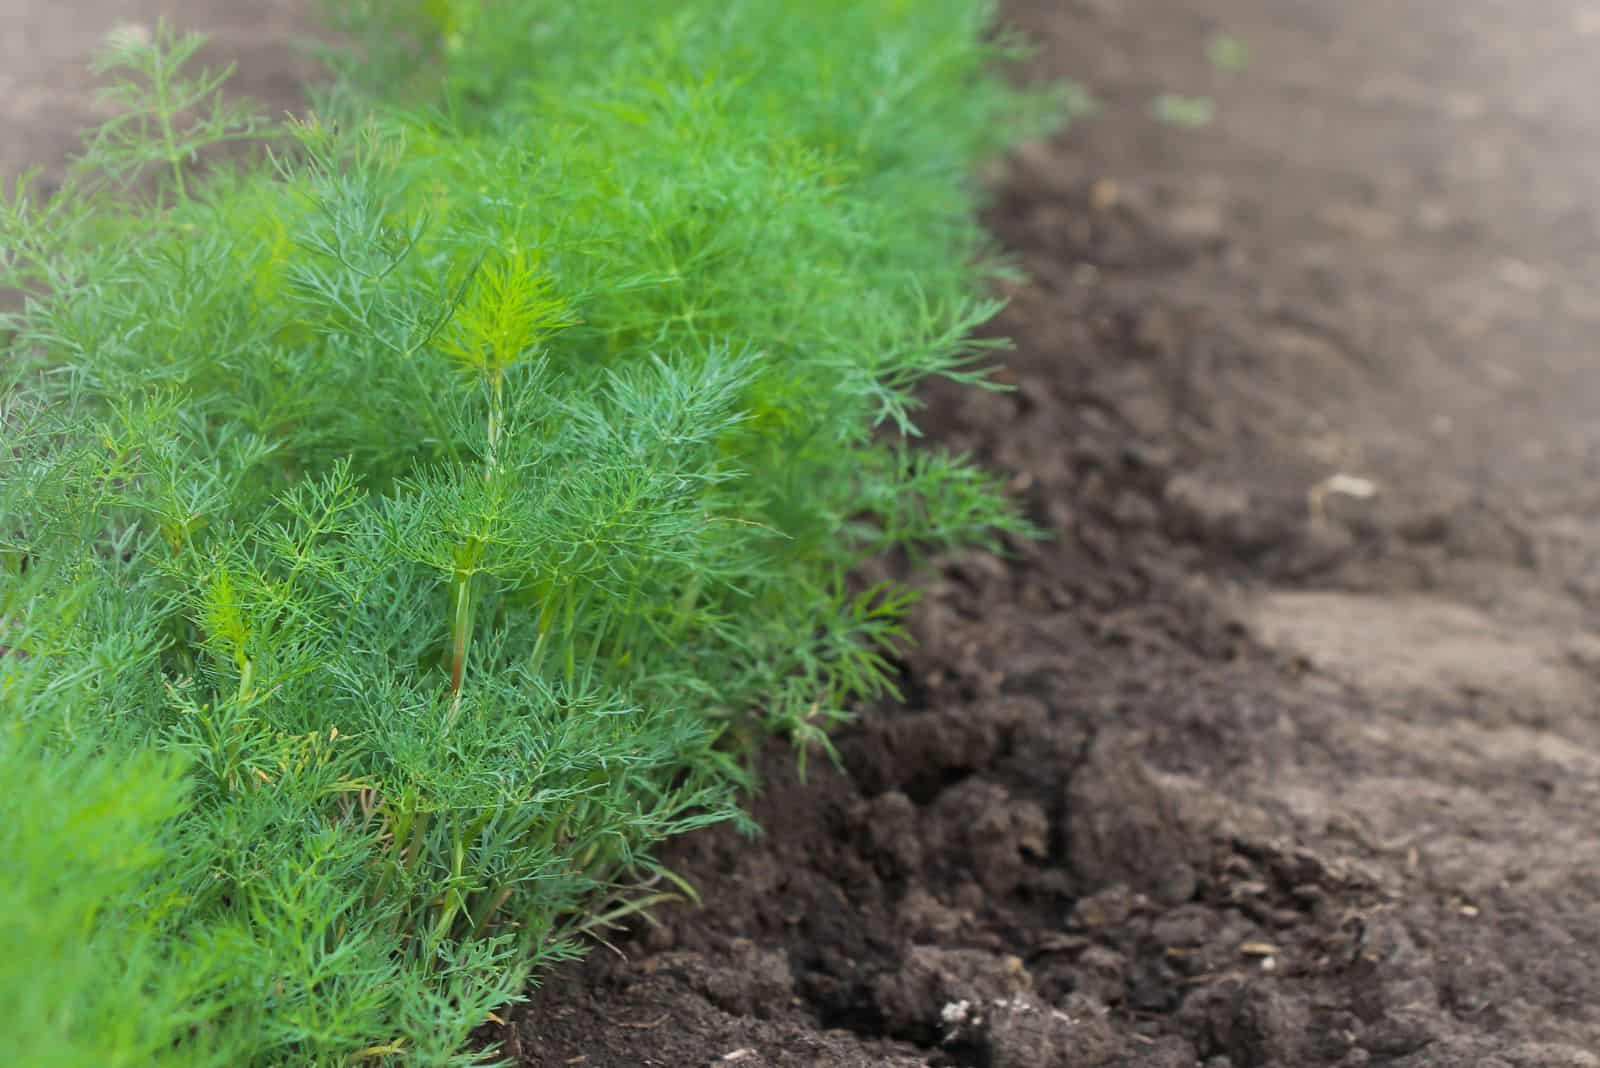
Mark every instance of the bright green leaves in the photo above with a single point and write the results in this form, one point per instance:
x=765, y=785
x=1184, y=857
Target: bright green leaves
x=451, y=19
x=510, y=311
x=84, y=975
x=223, y=618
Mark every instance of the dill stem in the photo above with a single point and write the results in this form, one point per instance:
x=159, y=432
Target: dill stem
x=536, y=658
x=571, y=636
x=164, y=115
x=461, y=614
x=496, y=416
x=419, y=830
x=493, y=905
x=451, y=901
x=460, y=630
x=247, y=678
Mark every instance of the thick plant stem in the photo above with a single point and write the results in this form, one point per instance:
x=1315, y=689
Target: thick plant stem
x=460, y=635
x=419, y=831
x=462, y=594
x=247, y=678
x=536, y=658
x=496, y=420
x=494, y=902
x=169, y=138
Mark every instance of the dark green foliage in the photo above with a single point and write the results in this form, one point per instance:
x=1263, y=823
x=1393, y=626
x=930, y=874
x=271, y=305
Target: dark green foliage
x=401, y=539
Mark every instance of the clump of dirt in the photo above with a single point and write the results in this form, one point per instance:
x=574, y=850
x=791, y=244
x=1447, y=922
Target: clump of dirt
x=1279, y=751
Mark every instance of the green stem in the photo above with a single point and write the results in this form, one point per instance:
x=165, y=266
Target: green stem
x=570, y=638
x=536, y=659
x=684, y=609
x=496, y=419
x=419, y=831
x=452, y=902
x=247, y=678
x=164, y=113
x=460, y=629
x=460, y=637
x=496, y=902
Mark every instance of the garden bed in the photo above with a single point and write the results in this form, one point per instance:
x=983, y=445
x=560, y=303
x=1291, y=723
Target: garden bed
x=1242, y=766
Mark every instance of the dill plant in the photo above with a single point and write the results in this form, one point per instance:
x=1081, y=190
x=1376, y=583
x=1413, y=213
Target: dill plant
x=404, y=530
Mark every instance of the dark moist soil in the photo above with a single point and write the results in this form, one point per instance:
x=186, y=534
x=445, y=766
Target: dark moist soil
x=1282, y=750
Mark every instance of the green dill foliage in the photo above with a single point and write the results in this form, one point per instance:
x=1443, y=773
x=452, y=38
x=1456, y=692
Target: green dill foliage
x=164, y=116
x=401, y=537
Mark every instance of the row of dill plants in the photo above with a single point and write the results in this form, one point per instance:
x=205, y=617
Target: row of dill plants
x=409, y=523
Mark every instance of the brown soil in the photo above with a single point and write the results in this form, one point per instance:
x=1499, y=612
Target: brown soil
x=1240, y=768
